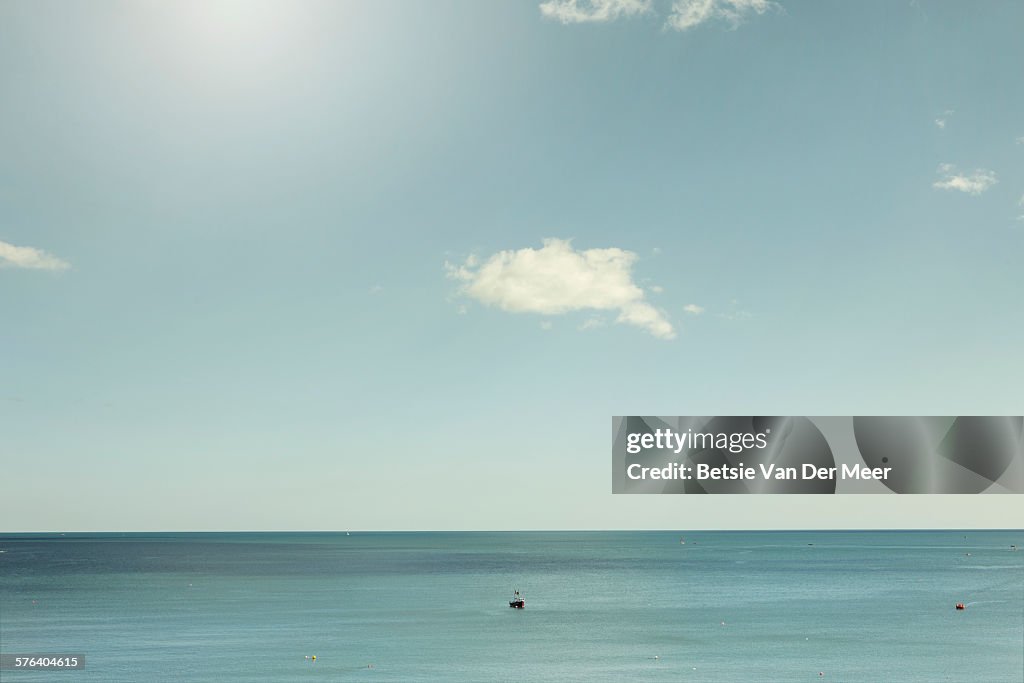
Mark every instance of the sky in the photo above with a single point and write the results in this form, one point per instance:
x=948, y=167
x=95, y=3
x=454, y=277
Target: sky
x=395, y=265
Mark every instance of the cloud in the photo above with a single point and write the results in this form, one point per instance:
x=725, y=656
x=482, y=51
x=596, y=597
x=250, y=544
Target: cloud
x=558, y=279
x=546, y=325
x=591, y=324
x=693, y=309
x=683, y=14
x=648, y=317
x=657, y=289
x=943, y=118
x=376, y=289
x=735, y=312
x=1020, y=140
x=973, y=183
x=687, y=14
x=592, y=11
x=30, y=258
x=736, y=315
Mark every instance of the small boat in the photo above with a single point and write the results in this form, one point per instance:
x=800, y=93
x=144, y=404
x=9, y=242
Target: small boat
x=517, y=601
x=961, y=606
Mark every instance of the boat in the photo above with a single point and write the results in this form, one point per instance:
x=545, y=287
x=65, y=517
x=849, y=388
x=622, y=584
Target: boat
x=517, y=601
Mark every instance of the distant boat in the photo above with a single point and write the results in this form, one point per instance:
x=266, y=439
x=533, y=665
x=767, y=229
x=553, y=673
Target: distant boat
x=517, y=601
x=682, y=541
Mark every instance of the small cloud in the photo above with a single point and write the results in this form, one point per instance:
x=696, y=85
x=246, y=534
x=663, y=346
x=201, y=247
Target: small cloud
x=736, y=315
x=592, y=11
x=592, y=324
x=687, y=14
x=648, y=317
x=943, y=118
x=376, y=289
x=557, y=279
x=655, y=251
x=693, y=309
x=1020, y=140
x=972, y=183
x=735, y=312
x=29, y=258
x=657, y=289
x=461, y=309
x=546, y=325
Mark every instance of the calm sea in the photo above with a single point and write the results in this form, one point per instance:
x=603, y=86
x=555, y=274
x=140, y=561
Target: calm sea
x=600, y=606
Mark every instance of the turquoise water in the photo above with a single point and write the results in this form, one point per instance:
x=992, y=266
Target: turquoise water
x=600, y=606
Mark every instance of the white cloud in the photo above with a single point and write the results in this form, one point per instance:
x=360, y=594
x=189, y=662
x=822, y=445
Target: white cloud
x=29, y=257
x=376, y=289
x=687, y=14
x=736, y=315
x=648, y=317
x=972, y=183
x=557, y=279
x=735, y=312
x=693, y=309
x=943, y=118
x=546, y=325
x=592, y=324
x=1020, y=140
x=657, y=289
x=592, y=11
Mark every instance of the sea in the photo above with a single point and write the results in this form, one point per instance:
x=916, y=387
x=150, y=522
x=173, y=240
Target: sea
x=600, y=606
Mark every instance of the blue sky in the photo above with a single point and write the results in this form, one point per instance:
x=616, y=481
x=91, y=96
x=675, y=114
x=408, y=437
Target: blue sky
x=380, y=265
